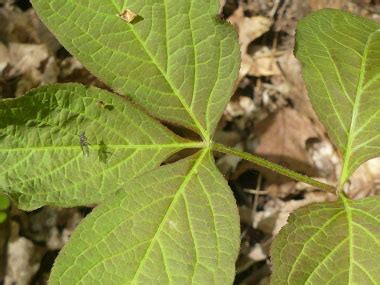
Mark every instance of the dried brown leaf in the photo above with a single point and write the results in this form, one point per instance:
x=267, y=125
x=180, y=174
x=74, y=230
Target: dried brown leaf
x=282, y=139
x=263, y=63
x=127, y=15
x=249, y=29
x=320, y=4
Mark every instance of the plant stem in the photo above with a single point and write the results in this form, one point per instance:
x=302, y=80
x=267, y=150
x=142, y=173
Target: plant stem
x=274, y=167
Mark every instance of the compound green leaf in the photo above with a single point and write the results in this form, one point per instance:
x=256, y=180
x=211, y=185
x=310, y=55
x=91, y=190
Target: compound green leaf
x=176, y=58
x=175, y=225
x=44, y=162
x=340, y=56
x=330, y=243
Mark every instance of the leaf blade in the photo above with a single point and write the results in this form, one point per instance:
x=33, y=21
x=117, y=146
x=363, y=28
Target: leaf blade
x=43, y=129
x=329, y=242
x=177, y=61
x=181, y=241
x=340, y=67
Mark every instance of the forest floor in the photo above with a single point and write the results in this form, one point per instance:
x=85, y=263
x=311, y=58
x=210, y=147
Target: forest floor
x=269, y=114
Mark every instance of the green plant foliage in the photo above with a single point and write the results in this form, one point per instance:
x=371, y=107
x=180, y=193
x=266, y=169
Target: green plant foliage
x=176, y=59
x=44, y=162
x=4, y=205
x=330, y=243
x=70, y=145
x=179, y=223
x=337, y=243
x=340, y=57
x=175, y=225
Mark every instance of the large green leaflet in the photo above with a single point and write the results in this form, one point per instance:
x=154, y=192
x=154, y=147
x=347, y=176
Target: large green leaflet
x=43, y=161
x=337, y=243
x=340, y=57
x=330, y=243
x=176, y=59
x=176, y=225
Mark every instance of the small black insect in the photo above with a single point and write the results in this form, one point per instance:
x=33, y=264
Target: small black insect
x=84, y=144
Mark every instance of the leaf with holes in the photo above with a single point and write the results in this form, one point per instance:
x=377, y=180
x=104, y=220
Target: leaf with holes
x=175, y=225
x=330, y=243
x=175, y=58
x=71, y=145
x=340, y=57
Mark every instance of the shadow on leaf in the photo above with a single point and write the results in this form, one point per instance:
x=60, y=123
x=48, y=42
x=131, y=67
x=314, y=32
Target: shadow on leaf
x=103, y=152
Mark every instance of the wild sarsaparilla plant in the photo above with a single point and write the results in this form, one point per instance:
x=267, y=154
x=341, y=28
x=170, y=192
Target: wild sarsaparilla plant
x=68, y=145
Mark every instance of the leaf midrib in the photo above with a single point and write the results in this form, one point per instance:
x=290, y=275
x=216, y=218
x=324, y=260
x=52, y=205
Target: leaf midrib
x=203, y=132
x=177, y=195
x=121, y=146
x=350, y=236
x=176, y=92
x=355, y=111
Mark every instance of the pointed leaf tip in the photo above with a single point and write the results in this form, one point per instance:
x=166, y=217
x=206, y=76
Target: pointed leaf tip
x=176, y=61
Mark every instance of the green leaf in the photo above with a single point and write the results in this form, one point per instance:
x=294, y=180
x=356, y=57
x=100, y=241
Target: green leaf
x=176, y=225
x=3, y=217
x=4, y=205
x=176, y=59
x=340, y=56
x=43, y=161
x=4, y=202
x=330, y=243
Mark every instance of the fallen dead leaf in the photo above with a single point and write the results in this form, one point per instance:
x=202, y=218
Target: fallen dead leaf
x=51, y=71
x=25, y=57
x=365, y=181
x=324, y=157
x=23, y=259
x=257, y=253
x=282, y=140
x=263, y=63
x=28, y=81
x=291, y=71
x=242, y=107
x=249, y=29
x=127, y=15
x=276, y=212
x=321, y=4
x=4, y=57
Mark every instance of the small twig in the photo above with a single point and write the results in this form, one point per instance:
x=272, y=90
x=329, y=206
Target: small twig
x=254, y=192
x=256, y=200
x=274, y=8
x=271, y=54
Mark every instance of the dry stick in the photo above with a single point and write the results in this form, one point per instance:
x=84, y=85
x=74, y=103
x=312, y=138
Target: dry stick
x=274, y=167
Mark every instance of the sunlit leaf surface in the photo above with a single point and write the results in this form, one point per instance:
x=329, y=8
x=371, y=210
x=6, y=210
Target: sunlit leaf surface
x=340, y=58
x=330, y=243
x=176, y=58
x=176, y=225
x=72, y=145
